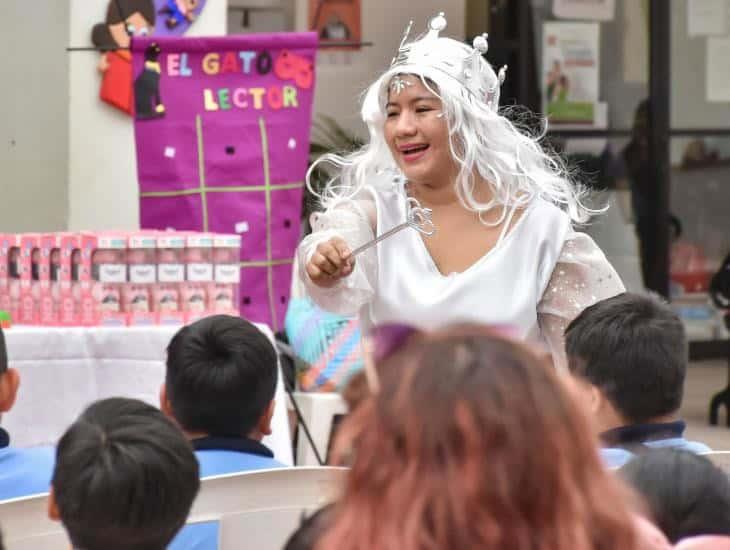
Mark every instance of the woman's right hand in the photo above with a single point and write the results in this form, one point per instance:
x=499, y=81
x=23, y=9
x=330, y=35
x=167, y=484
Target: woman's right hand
x=332, y=260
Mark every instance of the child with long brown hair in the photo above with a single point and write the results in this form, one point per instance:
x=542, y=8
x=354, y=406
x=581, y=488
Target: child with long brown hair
x=471, y=442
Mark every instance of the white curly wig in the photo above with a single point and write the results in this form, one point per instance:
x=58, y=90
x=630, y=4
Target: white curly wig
x=486, y=145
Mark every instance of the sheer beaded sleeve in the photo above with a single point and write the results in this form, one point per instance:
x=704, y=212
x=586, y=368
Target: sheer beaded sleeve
x=352, y=220
x=582, y=277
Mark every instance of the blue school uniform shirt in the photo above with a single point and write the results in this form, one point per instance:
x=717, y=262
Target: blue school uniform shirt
x=218, y=456
x=24, y=472
x=669, y=435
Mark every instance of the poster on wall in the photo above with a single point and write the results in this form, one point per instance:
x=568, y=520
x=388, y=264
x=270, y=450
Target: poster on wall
x=570, y=69
x=336, y=21
x=125, y=19
x=222, y=137
x=596, y=10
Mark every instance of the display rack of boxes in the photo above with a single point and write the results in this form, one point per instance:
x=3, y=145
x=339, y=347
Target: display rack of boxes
x=118, y=278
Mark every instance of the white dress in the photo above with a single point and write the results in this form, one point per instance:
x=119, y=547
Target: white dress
x=535, y=280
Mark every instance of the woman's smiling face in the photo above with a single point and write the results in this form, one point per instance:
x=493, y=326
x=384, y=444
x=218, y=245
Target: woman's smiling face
x=417, y=133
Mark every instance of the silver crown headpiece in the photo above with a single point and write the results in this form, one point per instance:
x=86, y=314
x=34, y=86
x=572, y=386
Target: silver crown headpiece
x=461, y=62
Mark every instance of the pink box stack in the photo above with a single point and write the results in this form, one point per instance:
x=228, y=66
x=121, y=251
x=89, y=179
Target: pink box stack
x=118, y=278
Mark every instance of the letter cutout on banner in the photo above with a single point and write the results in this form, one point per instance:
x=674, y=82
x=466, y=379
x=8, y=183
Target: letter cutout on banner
x=231, y=120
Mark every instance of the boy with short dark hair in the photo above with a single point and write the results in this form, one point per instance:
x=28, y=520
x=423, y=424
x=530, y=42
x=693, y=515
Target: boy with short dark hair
x=125, y=478
x=687, y=495
x=630, y=353
x=219, y=388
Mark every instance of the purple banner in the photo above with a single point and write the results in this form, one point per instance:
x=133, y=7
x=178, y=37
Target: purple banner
x=222, y=134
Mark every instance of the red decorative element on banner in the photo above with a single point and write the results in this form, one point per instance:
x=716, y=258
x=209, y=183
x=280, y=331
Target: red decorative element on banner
x=290, y=66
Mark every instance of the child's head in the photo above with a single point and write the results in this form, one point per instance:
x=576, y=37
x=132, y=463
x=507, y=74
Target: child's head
x=687, y=494
x=472, y=442
x=221, y=378
x=125, y=477
x=631, y=351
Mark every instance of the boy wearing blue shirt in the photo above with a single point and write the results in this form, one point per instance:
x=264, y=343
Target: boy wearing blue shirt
x=125, y=478
x=629, y=355
x=219, y=388
x=23, y=472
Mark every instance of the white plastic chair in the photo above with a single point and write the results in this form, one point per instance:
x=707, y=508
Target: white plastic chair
x=318, y=411
x=262, y=508
x=25, y=525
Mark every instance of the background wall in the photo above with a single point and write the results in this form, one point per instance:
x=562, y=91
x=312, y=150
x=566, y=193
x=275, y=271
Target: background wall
x=102, y=169
x=260, y=15
x=34, y=115
x=102, y=165
x=68, y=159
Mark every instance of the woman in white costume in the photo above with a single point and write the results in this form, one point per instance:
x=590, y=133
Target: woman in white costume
x=504, y=251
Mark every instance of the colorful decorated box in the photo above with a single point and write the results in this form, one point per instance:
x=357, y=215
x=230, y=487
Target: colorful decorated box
x=103, y=278
x=138, y=293
x=170, y=278
x=47, y=310
x=118, y=278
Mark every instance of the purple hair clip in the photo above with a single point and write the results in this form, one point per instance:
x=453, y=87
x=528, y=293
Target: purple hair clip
x=387, y=339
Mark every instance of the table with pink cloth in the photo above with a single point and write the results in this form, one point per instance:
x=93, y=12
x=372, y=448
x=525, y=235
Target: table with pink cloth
x=64, y=369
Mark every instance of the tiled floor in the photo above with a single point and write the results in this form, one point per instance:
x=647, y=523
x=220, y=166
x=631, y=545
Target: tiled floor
x=704, y=379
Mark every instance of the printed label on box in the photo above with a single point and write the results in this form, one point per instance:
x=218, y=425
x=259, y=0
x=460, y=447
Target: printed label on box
x=171, y=273
x=200, y=272
x=227, y=273
x=112, y=273
x=142, y=273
